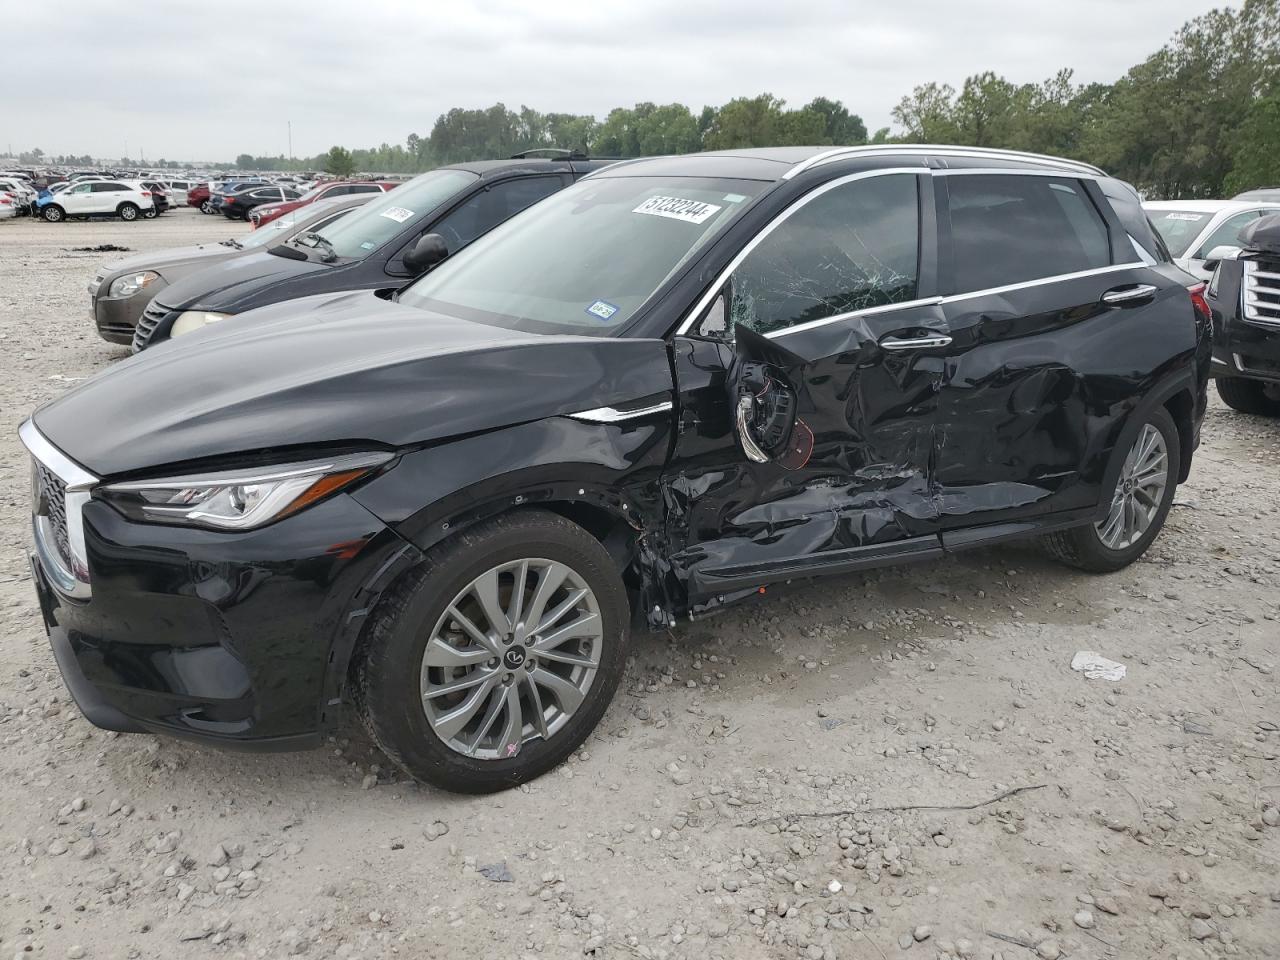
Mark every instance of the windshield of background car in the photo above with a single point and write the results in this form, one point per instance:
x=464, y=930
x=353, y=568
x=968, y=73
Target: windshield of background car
x=385, y=215
x=1179, y=228
x=286, y=225
x=586, y=259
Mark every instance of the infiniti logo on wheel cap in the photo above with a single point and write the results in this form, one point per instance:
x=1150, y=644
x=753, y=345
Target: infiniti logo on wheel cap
x=514, y=657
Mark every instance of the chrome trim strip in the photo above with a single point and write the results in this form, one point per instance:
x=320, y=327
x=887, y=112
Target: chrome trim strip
x=828, y=156
x=1002, y=172
x=614, y=415
x=777, y=221
x=852, y=314
x=916, y=343
x=68, y=471
x=1096, y=271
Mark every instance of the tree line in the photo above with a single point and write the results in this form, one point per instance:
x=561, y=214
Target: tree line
x=1200, y=117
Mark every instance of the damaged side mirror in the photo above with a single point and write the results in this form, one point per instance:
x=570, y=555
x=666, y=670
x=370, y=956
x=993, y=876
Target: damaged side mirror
x=426, y=253
x=766, y=402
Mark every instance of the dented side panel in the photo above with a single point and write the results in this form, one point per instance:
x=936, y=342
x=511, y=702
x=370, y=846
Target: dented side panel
x=867, y=482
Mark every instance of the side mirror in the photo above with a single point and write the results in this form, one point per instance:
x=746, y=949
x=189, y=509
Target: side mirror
x=1223, y=251
x=426, y=253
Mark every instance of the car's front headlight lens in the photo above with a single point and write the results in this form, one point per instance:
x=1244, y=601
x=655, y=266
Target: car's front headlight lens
x=190, y=321
x=240, y=499
x=131, y=283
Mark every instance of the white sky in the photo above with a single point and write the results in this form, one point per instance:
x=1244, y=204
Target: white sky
x=207, y=81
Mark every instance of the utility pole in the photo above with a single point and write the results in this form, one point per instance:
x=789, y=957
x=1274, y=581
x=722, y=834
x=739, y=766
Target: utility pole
x=290, y=123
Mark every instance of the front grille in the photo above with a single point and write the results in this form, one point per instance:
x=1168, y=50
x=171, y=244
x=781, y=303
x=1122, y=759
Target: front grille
x=1262, y=292
x=151, y=318
x=51, y=502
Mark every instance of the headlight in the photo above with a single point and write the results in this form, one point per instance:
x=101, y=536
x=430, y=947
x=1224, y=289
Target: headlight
x=131, y=283
x=240, y=499
x=190, y=321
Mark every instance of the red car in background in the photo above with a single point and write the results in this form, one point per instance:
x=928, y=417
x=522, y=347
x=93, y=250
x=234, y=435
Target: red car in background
x=324, y=191
x=198, y=196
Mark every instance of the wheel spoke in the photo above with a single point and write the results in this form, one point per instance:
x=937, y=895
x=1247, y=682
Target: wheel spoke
x=586, y=625
x=448, y=725
x=1114, y=520
x=573, y=659
x=476, y=634
x=475, y=678
x=441, y=653
x=496, y=702
x=567, y=695
x=554, y=617
x=539, y=712
x=549, y=580
x=485, y=590
x=515, y=610
x=513, y=729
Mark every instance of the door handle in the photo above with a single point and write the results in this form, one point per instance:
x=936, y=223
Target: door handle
x=916, y=343
x=1130, y=296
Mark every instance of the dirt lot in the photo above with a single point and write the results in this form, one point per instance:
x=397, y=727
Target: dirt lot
x=810, y=775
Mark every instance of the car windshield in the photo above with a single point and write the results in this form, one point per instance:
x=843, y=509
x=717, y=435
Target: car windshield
x=585, y=260
x=385, y=215
x=1179, y=228
x=284, y=226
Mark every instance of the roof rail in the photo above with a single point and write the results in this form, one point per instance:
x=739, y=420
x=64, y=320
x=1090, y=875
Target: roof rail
x=829, y=156
x=556, y=153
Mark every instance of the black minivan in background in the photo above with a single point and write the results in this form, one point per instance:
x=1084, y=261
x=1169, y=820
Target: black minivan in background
x=673, y=383
x=368, y=249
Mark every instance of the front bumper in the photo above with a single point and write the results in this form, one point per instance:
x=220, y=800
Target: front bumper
x=238, y=639
x=117, y=317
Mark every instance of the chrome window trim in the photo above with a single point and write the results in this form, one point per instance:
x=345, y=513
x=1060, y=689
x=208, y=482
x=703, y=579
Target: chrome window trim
x=1056, y=278
x=702, y=302
x=78, y=483
x=865, y=312
x=614, y=415
x=829, y=156
x=999, y=172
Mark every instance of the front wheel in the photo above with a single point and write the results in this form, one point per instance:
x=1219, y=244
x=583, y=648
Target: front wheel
x=495, y=659
x=1249, y=396
x=206, y=207
x=128, y=212
x=1140, y=502
x=53, y=213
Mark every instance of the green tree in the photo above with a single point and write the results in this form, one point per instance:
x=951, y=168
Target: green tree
x=1255, y=160
x=927, y=114
x=339, y=162
x=840, y=127
x=245, y=161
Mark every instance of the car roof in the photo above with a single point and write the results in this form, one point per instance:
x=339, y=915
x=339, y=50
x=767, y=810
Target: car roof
x=783, y=163
x=1204, y=206
x=494, y=168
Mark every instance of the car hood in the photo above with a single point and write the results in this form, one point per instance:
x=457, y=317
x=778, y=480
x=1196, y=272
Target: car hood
x=204, y=254
x=348, y=368
x=225, y=284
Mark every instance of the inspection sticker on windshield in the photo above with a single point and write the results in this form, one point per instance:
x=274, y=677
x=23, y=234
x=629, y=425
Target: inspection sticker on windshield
x=1184, y=216
x=673, y=208
x=601, y=310
x=398, y=214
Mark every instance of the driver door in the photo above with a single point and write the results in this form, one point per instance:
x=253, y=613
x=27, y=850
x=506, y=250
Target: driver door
x=78, y=199
x=807, y=396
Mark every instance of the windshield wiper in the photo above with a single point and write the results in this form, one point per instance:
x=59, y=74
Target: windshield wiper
x=330, y=253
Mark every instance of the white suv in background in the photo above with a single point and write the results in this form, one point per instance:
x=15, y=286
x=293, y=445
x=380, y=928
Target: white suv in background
x=126, y=199
x=1194, y=229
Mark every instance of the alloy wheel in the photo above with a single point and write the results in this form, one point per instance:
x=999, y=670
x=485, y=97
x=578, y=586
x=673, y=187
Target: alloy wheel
x=512, y=658
x=1139, y=491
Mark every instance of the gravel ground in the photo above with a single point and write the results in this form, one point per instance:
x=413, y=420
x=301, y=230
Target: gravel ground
x=825, y=772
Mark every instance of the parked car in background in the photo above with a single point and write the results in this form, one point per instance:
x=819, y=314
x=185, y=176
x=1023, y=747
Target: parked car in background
x=367, y=250
x=178, y=190
x=23, y=194
x=1264, y=194
x=127, y=200
x=199, y=196
x=237, y=206
x=325, y=191
x=220, y=191
x=1192, y=229
x=665, y=388
x=121, y=289
x=159, y=196
x=8, y=206
x=1244, y=296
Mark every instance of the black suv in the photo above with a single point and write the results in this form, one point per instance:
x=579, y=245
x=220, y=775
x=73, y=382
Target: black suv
x=1244, y=296
x=671, y=384
x=240, y=203
x=370, y=249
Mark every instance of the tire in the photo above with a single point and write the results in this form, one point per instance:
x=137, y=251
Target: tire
x=53, y=213
x=128, y=212
x=1087, y=548
x=1249, y=396
x=151, y=214
x=206, y=207
x=390, y=677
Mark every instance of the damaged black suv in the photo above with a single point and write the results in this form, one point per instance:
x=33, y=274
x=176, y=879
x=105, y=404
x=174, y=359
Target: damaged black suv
x=653, y=393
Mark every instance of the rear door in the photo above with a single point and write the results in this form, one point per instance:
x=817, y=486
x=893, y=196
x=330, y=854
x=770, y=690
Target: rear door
x=1059, y=327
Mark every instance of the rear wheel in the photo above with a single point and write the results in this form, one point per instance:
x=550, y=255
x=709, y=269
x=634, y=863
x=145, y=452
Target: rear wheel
x=206, y=207
x=1249, y=396
x=151, y=214
x=1140, y=502
x=492, y=662
x=128, y=211
x=53, y=213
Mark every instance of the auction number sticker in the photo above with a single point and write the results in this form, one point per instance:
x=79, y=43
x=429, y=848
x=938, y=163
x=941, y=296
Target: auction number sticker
x=674, y=208
x=1193, y=217
x=398, y=214
x=602, y=309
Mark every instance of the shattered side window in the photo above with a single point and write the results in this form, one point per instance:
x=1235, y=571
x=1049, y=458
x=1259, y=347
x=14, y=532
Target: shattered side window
x=851, y=248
